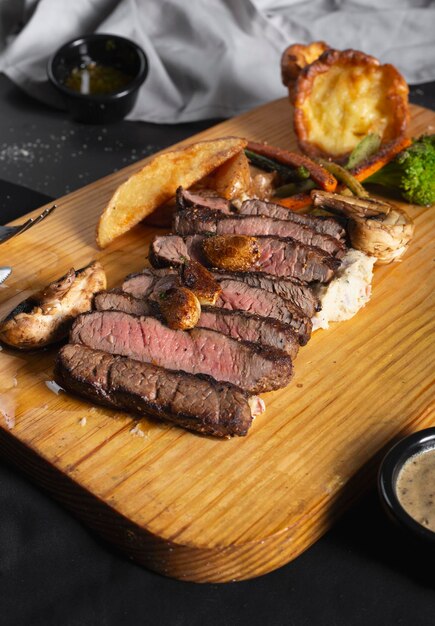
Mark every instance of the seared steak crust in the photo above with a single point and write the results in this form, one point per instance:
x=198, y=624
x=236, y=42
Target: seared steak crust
x=198, y=351
x=197, y=403
x=278, y=256
x=202, y=221
x=326, y=225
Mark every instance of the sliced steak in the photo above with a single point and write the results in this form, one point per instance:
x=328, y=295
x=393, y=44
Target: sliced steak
x=326, y=225
x=168, y=250
x=150, y=280
x=286, y=257
x=202, y=221
x=236, y=324
x=202, y=199
x=118, y=300
x=298, y=293
x=151, y=283
x=250, y=327
x=197, y=403
x=239, y=296
x=199, y=351
x=278, y=256
x=142, y=284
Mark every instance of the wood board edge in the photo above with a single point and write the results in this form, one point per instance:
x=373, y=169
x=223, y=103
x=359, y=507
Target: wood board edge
x=230, y=563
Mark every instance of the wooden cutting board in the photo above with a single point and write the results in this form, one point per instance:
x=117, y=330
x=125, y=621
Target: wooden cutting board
x=201, y=509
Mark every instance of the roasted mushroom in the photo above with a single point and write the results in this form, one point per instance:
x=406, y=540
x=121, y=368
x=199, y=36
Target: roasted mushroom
x=235, y=253
x=180, y=308
x=46, y=316
x=375, y=227
x=198, y=279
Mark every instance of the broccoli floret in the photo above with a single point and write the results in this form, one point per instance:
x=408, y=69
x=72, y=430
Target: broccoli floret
x=411, y=172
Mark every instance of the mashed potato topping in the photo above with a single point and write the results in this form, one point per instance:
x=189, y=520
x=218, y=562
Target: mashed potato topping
x=348, y=292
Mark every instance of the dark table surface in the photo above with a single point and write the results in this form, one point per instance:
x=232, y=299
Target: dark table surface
x=54, y=571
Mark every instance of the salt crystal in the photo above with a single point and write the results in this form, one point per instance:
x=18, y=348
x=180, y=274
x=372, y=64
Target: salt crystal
x=54, y=387
x=83, y=421
x=137, y=431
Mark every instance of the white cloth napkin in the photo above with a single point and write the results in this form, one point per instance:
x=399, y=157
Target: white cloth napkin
x=214, y=58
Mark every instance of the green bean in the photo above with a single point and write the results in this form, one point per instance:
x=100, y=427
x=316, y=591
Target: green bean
x=363, y=150
x=293, y=188
x=344, y=177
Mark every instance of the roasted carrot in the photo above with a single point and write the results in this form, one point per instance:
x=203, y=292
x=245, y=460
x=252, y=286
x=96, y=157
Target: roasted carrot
x=345, y=177
x=319, y=174
x=374, y=163
x=294, y=203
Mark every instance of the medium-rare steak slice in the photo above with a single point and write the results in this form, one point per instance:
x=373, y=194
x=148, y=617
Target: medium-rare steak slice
x=286, y=257
x=237, y=324
x=143, y=284
x=236, y=295
x=118, y=300
x=150, y=280
x=239, y=296
x=326, y=225
x=193, y=275
x=197, y=403
x=278, y=256
x=202, y=199
x=202, y=221
x=292, y=289
x=250, y=327
x=173, y=251
x=198, y=351
x=168, y=250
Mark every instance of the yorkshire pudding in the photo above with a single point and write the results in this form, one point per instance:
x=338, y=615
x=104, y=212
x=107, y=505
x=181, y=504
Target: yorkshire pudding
x=344, y=95
x=295, y=58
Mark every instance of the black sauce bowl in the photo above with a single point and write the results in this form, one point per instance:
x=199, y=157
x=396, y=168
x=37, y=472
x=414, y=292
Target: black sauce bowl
x=388, y=473
x=104, y=49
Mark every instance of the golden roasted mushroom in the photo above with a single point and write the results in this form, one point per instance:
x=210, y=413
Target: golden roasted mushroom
x=180, y=308
x=343, y=96
x=46, y=316
x=377, y=228
x=234, y=253
x=198, y=279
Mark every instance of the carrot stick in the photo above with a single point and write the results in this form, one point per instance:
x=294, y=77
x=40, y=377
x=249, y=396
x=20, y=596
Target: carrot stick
x=294, y=203
x=324, y=179
x=380, y=158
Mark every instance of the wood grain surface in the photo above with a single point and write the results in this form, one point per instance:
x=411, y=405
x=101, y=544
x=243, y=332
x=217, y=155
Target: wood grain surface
x=193, y=507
